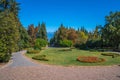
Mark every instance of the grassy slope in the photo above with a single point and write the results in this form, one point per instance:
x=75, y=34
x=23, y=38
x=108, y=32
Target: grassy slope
x=68, y=58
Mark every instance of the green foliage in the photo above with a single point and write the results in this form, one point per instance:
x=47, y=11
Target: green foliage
x=9, y=33
x=33, y=51
x=82, y=38
x=68, y=49
x=4, y=57
x=111, y=54
x=24, y=38
x=63, y=33
x=42, y=33
x=39, y=43
x=94, y=43
x=111, y=30
x=32, y=32
x=65, y=43
x=40, y=57
x=9, y=28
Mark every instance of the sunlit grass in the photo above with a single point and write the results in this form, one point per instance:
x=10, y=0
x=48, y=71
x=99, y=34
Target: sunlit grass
x=57, y=56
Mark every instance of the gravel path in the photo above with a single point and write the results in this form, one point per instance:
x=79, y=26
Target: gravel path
x=20, y=61
x=23, y=69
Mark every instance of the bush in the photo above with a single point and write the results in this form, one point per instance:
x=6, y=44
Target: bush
x=39, y=43
x=88, y=59
x=4, y=57
x=94, y=43
x=65, y=43
x=40, y=57
x=69, y=49
x=110, y=54
x=33, y=51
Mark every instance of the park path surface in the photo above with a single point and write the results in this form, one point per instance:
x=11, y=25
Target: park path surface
x=23, y=69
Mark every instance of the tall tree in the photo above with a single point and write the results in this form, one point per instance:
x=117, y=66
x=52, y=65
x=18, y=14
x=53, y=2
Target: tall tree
x=39, y=34
x=8, y=25
x=43, y=31
x=111, y=30
x=24, y=38
x=72, y=35
x=32, y=32
x=9, y=33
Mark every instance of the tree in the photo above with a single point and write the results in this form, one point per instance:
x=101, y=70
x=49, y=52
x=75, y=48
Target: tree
x=43, y=31
x=9, y=33
x=39, y=43
x=72, y=35
x=61, y=33
x=14, y=7
x=39, y=34
x=24, y=38
x=111, y=30
x=83, y=30
x=32, y=32
x=65, y=43
x=82, y=38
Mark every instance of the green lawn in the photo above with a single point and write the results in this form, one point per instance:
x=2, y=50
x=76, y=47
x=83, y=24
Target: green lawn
x=57, y=56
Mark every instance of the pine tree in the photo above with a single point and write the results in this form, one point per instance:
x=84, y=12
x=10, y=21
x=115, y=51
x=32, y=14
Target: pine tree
x=39, y=34
x=43, y=31
x=9, y=33
x=32, y=32
x=24, y=38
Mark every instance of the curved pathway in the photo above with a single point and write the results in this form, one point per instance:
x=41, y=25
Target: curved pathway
x=20, y=61
x=23, y=69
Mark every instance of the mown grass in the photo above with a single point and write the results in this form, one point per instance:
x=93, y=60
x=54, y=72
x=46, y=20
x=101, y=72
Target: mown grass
x=57, y=56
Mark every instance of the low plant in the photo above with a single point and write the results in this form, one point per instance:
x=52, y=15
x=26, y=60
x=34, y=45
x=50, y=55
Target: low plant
x=33, y=51
x=40, y=57
x=113, y=55
x=89, y=59
x=69, y=49
x=4, y=57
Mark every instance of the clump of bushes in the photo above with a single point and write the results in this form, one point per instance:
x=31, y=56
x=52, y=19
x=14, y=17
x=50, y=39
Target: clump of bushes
x=69, y=49
x=39, y=43
x=40, y=57
x=4, y=57
x=33, y=51
x=65, y=43
x=113, y=55
x=89, y=59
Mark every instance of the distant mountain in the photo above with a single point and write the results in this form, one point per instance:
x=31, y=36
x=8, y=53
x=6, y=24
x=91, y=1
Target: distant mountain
x=50, y=35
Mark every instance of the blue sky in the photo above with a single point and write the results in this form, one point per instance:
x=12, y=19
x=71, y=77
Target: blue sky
x=72, y=13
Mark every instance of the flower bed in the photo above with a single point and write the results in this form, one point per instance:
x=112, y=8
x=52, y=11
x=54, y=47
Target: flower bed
x=89, y=59
x=111, y=54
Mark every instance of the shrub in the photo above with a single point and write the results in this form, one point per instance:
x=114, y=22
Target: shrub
x=110, y=54
x=88, y=59
x=94, y=43
x=65, y=43
x=40, y=57
x=69, y=49
x=40, y=43
x=33, y=51
x=4, y=57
